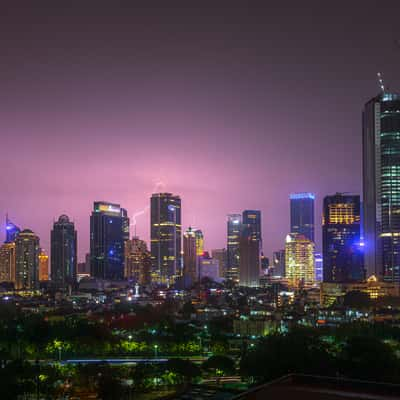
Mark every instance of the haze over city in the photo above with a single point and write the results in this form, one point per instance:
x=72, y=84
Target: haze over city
x=228, y=107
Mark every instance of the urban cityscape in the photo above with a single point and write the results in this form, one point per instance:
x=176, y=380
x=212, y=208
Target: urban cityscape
x=159, y=302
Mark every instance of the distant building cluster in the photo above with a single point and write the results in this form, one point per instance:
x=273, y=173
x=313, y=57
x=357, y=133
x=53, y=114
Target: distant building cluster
x=359, y=240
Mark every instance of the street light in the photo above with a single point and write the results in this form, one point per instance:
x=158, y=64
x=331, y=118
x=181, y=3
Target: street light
x=155, y=350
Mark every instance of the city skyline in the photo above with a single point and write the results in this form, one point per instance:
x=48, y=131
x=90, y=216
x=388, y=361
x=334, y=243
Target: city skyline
x=224, y=131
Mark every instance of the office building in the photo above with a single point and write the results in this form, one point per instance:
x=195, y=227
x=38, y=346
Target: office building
x=299, y=260
x=7, y=262
x=221, y=256
x=27, y=250
x=252, y=218
x=63, y=252
x=208, y=267
x=302, y=214
x=193, y=248
x=43, y=266
x=250, y=257
x=12, y=231
x=109, y=230
x=137, y=261
x=342, y=253
x=234, y=223
x=279, y=263
x=381, y=186
x=166, y=237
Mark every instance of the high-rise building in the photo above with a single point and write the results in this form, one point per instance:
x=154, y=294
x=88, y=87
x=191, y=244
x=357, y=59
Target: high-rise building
x=109, y=230
x=208, y=267
x=278, y=265
x=7, y=262
x=27, y=260
x=137, y=261
x=63, y=252
x=299, y=260
x=220, y=255
x=381, y=186
x=43, y=266
x=193, y=248
x=234, y=224
x=319, y=267
x=12, y=231
x=252, y=218
x=302, y=214
x=250, y=257
x=166, y=232
x=342, y=255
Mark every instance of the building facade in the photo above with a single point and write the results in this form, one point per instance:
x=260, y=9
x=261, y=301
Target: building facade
x=43, y=266
x=166, y=237
x=341, y=239
x=208, y=267
x=27, y=248
x=302, y=214
x=250, y=257
x=63, y=240
x=381, y=186
x=7, y=262
x=193, y=248
x=234, y=224
x=137, y=261
x=12, y=231
x=109, y=230
x=299, y=260
x=278, y=265
x=220, y=255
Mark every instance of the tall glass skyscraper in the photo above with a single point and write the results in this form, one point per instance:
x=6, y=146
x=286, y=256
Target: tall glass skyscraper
x=341, y=240
x=250, y=257
x=166, y=237
x=63, y=252
x=109, y=230
x=234, y=225
x=193, y=248
x=252, y=218
x=302, y=214
x=381, y=186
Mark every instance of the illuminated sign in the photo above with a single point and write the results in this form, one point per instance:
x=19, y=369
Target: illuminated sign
x=109, y=208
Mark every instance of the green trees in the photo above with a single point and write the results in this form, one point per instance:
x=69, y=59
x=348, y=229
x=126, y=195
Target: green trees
x=219, y=365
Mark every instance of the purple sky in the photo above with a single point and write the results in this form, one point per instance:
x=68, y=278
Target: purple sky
x=231, y=108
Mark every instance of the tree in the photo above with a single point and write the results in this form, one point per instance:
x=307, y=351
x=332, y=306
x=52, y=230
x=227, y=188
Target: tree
x=185, y=368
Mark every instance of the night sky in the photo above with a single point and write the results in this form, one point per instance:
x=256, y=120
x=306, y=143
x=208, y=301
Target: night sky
x=231, y=107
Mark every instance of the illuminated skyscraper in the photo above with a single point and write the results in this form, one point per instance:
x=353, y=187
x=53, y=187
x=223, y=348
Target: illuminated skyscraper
x=166, y=237
x=302, y=214
x=299, y=260
x=381, y=186
x=137, y=261
x=252, y=218
x=208, y=267
x=109, y=229
x=12, y=231
x=279, y=263
x=63, y=252
x=250, y=257
x=43, y=266
x=342, y=255
x=193, y=248
x=7, y=262
x=319, y=267
x=27, y=260
x=234, y=224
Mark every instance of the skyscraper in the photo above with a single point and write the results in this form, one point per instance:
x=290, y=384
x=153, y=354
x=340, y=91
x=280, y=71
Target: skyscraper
x=279, y=263
x=250, y=257
x=27, y=260
x=166, y=232
x=234, y=223
x=381, y=185
x=43, y=266
x=7, y=262
x=342, y=255
x=302, y=214
x=63, y=252
x=109, y=229
x=137, y=261
x=252, y=218
x=299, y=260
x=12, y=231
x=193, y=248
x=220, y=255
